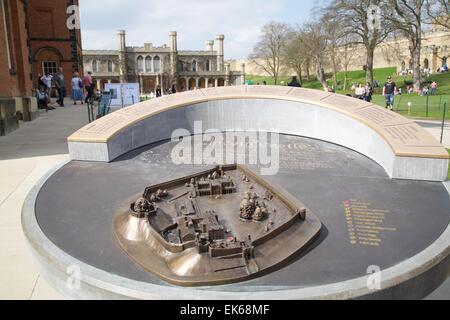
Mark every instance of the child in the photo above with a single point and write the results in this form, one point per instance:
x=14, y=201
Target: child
x=43, y=99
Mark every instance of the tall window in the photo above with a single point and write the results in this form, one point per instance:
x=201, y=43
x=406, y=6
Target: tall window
x=140, y=64
x=156, y=64
x=49, y=67
x=6, y=33
x=94, y=66
x=110, y=66
x=194, y=65
x=148, y=64
x=208, y=65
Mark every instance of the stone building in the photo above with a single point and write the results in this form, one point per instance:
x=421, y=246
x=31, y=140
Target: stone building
x=163, y=66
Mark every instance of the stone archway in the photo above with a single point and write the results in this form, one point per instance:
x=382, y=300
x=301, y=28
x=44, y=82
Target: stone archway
x=149, y=85
x=201, y=83
x=192, y=85
x=211, y=83
x=182, y=85
x=221, y=82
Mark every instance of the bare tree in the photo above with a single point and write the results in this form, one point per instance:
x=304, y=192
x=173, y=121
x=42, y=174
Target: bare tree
x=347, y=56
x=268, y=52
x=439, y=12
x=408, y=19
x=314, y=42
x=364, y=19
x=295, y=57
x=335, y=35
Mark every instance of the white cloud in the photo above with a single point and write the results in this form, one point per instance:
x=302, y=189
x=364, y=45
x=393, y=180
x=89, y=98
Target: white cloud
x=196, y=21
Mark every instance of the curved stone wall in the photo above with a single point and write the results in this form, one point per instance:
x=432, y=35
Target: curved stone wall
x=401, y=147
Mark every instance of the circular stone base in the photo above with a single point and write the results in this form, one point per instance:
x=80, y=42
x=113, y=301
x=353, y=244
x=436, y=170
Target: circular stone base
x=370, y=223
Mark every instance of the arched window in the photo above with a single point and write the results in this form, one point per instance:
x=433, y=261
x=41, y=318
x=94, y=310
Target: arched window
x=148, y=64
x=156, y=64
x=208, y=65
x=110, y=66
x=403, y=65
x=444, y=61
x=140, y=64
x=94, y=66
x=426, y=64
x=194, y=65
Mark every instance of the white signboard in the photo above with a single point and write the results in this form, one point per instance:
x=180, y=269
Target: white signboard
x=123, y=93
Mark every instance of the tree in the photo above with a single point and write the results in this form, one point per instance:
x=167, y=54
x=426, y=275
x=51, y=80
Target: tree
x=364, y=19
x=347, y=56
x=439, y=12
x=408, y=18
x=335, y=35
x=295, y=57
x=268, y=52
x=314, y=42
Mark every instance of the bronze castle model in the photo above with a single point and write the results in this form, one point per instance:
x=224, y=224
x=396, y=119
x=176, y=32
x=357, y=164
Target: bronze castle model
x=216, y=227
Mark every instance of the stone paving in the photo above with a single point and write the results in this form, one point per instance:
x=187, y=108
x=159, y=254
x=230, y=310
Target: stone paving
x=25, y=156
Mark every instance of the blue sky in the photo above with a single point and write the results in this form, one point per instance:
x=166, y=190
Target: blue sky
x=195, y=20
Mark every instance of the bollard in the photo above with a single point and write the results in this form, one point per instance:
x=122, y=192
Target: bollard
x=443, y=123
x=428, y=105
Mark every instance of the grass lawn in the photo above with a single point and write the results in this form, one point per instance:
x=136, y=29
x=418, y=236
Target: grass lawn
x=418, y=103
x=380, y=75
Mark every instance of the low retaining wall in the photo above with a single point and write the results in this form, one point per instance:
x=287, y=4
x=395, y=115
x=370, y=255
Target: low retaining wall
x=400, y=146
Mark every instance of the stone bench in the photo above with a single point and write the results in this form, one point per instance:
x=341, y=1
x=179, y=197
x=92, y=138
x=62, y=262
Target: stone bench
x=401, y=147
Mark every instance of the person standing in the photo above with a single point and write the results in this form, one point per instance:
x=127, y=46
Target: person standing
x=88, y=84
x=158, y=91
x=368, y=92
x=47, y=81
x=389, y=93
x=434, y=87
x=60, y=84
x=77, y=88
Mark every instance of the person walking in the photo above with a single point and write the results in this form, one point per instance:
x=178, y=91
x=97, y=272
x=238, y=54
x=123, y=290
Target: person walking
x=60, y=84
x=88, y=84
x=389, y=93
x=77, y=88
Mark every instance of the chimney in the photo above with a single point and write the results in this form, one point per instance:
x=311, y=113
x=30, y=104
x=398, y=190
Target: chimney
x=209, y=45
x=220, y=52
x=122, y=40
x=173, y=41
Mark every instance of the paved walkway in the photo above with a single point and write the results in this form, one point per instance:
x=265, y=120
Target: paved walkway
x=25, y=156
x=435, y=128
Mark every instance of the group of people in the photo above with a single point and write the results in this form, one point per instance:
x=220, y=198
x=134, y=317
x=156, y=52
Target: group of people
x=78, y=84
x=363, y=92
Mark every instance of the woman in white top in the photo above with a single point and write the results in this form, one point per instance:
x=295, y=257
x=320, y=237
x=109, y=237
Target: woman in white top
x=77, y=88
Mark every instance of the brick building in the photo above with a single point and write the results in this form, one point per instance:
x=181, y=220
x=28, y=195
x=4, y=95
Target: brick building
x=34, y=39
x=15, y=68
x=53, y=45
